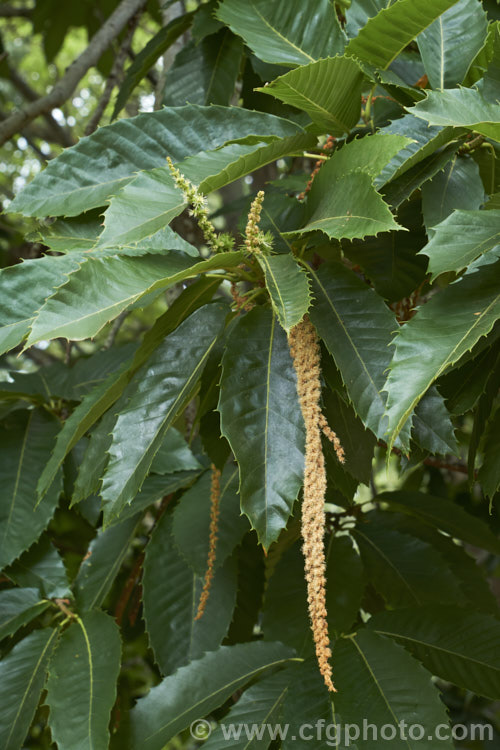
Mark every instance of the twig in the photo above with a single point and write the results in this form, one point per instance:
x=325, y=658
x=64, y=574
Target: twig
x=128, y=588
x=74, y=73
x=117, y=324
x=9, y=11
x=58, y=133
x=114, y=76
x=437, y=463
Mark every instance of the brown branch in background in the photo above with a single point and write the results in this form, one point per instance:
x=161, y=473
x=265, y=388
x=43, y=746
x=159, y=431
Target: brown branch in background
x=66, y=85
x=127, y=590
x=437, y=463
x=117, y=324
x=135, y=574
x=56, y=132
x=30, y=133
x=115, y=76
x=330, y=142
x=11, y=11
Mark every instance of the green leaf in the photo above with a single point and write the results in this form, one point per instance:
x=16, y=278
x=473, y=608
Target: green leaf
x=405, y=570
x=112, y=285
x=306, y=697
x=357, y=328
x=25, y=443
x=460, y=108
x=385, y=35
x=151, y=200
x=174, y=455
x=328, y=90
x=144, y=61
x=22, y=676
x=443, y=514
x=256, y=712
x=25, y=287
x=285, y=613
x=288, y=287
x=484, y=57
x=489, y=86
x=400, y=189
x=349, y=208
x=191, y=520
x=102, y=563
x=171, y=602
x=70, y=383
x=251, y=583
x=155, y=488
x=197, y=689
x=461, y=238
x=87, y=174
x=77, y=424
x=442, y=331
x=358, y=13
x=18, y=607
x=358, y=443
x=65, y=236
x=130, y=219
x=274, y=34
x=213, y=170
x=205, y=21
x=453, y=643
x=483, y=411
x=81, y=688
x=261, y=419
x=433, y=429
x=468, y=572
x=450, y=44
x=95, y=457
x=345, y=583
x=458, y=186
x=41, y=567
x=489, y=473
x=463, y=386
x=390, y=260
x=204, y=72
x=378, y=680
x=163, y=386
x=426, y=141
x=369, y=154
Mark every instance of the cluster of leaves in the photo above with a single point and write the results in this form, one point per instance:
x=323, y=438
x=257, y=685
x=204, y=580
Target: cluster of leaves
x=393, y=253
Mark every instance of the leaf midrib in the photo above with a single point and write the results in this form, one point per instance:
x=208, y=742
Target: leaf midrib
x=241, y=679
x=447, y=361
x=428, y=644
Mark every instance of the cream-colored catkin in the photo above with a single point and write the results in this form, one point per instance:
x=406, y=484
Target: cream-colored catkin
x=212, y=544
x=252, y=235
x=332, y=437
x=305, y=351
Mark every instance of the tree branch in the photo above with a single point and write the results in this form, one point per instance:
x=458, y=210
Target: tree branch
x=114, y=76
x=9, y=11
x=60, y=134
x=65, y=87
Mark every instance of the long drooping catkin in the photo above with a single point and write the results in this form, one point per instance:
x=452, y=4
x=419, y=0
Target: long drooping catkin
x=305, y=353
x=212, y=543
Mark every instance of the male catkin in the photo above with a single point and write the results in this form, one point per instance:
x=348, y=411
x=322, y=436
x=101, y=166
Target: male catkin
x=305, y=351
x=212, y=543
